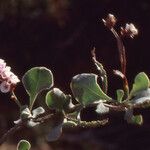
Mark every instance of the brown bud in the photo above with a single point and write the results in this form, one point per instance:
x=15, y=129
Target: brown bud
x=129, y=30
x=110, y=21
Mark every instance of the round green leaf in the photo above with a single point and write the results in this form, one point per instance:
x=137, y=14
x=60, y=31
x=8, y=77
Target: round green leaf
x=137, y=119
x=141, y=82
x=86, y=90
x=23, y=145
x=56, y=99
x=35, y=80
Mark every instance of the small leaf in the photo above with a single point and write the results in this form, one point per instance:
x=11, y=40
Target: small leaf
x=86, y=90
x=141, y=82
x=143, y=93
x=142, y=98
x=141, y=102
x=75, y=115
x=17, y=121
x=23, y=145
x=38, y=111
x=31, y=123
x=25, y=113
x=101, y=109
x=55, y=133
x=35, y=80
x=120, y=94
x=56, y=99
x=68, y=124
x=133, y=119
x=138, y=119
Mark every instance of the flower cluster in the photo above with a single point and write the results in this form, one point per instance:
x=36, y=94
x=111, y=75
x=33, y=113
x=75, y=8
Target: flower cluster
x=129, y=30
x=8, y=79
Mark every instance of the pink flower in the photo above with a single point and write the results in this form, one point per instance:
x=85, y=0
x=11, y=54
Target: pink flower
x=6, y=73
x=13, y=79
x=5, y=87
x=7, y=78
x=2, y=65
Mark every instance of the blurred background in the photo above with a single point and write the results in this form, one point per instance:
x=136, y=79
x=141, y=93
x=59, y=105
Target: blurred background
x=59, y=34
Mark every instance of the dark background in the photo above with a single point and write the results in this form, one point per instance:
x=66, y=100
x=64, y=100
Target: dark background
x=59, y=34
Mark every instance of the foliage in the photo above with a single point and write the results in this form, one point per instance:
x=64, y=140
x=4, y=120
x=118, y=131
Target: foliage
x=23, y=145
x=86, y=92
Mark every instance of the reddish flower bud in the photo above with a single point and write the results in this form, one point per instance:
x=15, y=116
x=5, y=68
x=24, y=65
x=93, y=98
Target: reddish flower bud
x=110, y=21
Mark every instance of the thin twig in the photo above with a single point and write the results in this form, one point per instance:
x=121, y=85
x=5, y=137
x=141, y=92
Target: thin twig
x=11, y=132
x=43, y=118
x=87, y=124
x=121, y=50
x=14, y=97
x=22, y=124
x=122, y=56
x=115, y=107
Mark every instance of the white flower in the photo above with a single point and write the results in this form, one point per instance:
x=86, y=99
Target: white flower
x=6, y=72
x=13, y=79
x=131, y=28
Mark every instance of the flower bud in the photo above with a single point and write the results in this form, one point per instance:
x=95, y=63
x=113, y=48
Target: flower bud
x=110, y=21
x=130, y=30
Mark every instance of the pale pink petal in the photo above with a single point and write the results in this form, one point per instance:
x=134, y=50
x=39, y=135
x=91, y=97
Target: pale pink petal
x=2, y=65
x=4, y=87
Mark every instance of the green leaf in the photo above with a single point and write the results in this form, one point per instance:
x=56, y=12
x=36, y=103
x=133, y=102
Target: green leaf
x=31, y=123
x=141, y=82
x=86, y=90
x=137, y=119
x=23, y=145
x=38, y=111
x=101, y=109
x=133, y=119
x=25, y=113
x=75, y=115
x=69, y=123
x=56, y=99
x=36, y=80
x=120, y=94
x=142, y=99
